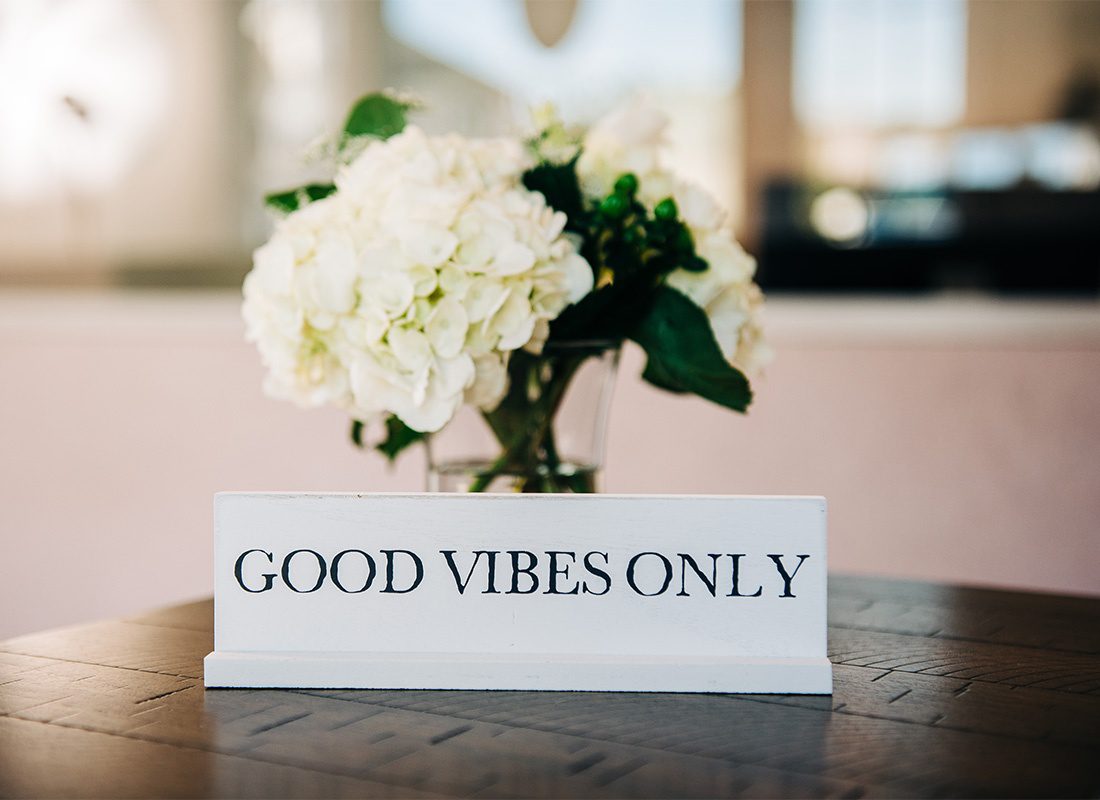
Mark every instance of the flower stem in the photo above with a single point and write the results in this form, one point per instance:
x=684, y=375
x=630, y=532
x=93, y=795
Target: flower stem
x=523, y=424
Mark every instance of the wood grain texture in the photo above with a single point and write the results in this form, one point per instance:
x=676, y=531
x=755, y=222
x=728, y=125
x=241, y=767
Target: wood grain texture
x=939, y=691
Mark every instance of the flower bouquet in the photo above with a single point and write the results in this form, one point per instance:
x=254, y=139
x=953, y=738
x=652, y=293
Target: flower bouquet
x=440, y=271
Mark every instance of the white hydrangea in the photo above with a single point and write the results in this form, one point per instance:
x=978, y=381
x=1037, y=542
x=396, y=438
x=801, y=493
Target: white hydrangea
x=405, y=291
x=630, y=140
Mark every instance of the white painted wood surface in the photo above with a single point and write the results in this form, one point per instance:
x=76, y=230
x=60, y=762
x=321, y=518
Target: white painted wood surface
x=612, y=592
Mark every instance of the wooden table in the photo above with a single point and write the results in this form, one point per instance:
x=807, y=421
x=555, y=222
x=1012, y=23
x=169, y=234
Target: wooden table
x=940, y=691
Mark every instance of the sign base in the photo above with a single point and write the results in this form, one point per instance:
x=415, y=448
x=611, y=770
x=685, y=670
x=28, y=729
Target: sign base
x=518, y=672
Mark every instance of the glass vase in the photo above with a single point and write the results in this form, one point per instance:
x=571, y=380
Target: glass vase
x=547, y=434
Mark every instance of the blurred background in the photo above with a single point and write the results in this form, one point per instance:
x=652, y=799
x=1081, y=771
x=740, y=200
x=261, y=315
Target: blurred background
x=920, y=180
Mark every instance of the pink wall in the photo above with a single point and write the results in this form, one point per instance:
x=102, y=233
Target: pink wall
x=955, y=442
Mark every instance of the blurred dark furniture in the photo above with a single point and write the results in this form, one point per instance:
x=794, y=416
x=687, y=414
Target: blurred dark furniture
x=940, y=691
x=1020, y=241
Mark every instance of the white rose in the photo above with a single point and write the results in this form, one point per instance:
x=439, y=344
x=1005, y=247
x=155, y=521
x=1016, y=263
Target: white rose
x=629, y=139
x=697, y=207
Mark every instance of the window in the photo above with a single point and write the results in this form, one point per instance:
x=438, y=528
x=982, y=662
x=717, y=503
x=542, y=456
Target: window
x=611, y=48
x=879, y=64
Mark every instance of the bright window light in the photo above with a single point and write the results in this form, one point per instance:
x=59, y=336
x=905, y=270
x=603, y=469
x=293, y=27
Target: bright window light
x=611, y=48
x=879, y=63
x=82, y=85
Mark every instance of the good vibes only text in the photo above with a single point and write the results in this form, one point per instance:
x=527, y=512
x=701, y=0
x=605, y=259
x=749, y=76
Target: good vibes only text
x=521, y=572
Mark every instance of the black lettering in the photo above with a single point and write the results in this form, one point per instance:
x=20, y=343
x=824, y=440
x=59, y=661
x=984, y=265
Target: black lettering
x=630, y=574
x=238, y=568
x=777, y=558
x=322, y=571
x=334, y=571
x=711, y=583
x=564, y=571
x=588, y=565
x=492, y=582
x=735, y=591
x=529, y=571
x=389, y=571
x=459, y=583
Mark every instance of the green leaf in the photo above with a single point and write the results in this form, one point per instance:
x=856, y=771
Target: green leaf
x=684, y=355
x=558, y=184
x=293, y=199
x=357, y=432
x=657, y=375
x=398, y=437
x=378, y=115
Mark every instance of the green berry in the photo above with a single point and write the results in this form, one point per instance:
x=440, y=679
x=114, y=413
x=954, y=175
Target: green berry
x=666, y=209
x=626, y=184
x=613, y=206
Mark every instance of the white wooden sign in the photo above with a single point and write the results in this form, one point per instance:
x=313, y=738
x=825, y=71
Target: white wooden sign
x=553, y=592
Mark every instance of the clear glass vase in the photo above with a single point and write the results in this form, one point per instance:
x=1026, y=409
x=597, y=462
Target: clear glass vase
x=547, y=434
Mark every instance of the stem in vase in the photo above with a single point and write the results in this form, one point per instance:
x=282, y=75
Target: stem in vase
x=531, y=446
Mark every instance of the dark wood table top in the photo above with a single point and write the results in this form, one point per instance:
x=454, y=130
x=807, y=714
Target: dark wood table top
x=940, y=691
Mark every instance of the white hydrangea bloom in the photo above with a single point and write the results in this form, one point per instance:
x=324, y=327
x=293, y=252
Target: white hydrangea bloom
x=286, y=295
x=630, y=139
x=405, y=291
